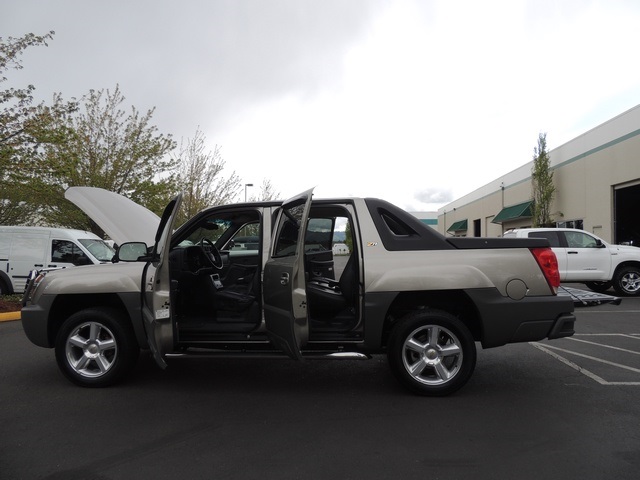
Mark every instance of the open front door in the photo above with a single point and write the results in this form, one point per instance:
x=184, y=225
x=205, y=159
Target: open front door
x=156, y=288
x=285, y=299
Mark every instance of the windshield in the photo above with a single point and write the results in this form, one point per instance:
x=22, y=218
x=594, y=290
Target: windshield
x=211, y=228
x=99, y=249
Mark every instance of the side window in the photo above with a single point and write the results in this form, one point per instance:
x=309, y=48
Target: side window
x=287, y=240
x=319, y=235
x=246, y=238
x=342, y=237
x=29, y=247
x=65, y=251
x=329, y=233
x=580, y=240
x=397, y=226
x=553, y=237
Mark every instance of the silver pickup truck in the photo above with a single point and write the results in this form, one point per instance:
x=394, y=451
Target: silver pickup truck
x=257, y=279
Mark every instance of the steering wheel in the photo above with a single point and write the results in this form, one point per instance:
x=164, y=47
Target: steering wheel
x=212, y=253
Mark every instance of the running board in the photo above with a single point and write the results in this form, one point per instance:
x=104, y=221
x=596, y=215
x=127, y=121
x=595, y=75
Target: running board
x=266, y=354
x=337, y=356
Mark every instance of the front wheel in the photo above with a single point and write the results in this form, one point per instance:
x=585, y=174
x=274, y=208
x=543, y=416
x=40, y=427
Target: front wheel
x=627, y=281
x=96, y=347
x=431, y=352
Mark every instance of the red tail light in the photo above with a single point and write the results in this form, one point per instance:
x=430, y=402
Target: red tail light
x=549, y=266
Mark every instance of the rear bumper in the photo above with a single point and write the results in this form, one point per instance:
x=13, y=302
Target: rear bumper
x=505, y=320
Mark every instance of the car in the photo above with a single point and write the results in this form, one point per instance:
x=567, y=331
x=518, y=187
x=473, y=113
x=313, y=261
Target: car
x=256, y=279
x=586, y=258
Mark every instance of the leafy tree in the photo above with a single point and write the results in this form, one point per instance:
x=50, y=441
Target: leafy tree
x=23, y=127
x=542, y=184
x=199, y=177
x=267, y=192
x=102, y=146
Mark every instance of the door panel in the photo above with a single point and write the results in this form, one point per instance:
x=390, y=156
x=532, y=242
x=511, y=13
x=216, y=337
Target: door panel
x=28, y=253
x=585, y=259
x=156, y=308
x=285, y=302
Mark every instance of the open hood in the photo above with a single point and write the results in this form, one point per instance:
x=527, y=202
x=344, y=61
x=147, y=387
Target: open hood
x=122, y=219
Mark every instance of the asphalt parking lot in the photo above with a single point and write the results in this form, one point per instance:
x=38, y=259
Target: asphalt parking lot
x=561, y=409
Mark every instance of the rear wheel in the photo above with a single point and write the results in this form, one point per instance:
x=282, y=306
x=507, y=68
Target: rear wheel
x=599, y=287
x=431, y=352
x=627, y=281
x=96, y=347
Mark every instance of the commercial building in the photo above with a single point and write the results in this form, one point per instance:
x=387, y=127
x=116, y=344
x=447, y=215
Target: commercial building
x=597, y=180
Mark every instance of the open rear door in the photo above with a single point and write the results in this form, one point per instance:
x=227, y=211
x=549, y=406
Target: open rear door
x=156, y=288
x=285, y=298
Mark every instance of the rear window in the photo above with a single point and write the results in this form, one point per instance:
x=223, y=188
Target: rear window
x=553, y=237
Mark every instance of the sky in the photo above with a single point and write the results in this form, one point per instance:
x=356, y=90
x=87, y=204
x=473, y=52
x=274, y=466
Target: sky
x=418, y=102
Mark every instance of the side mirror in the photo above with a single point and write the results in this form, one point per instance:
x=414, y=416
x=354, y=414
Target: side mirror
x=131, y=252
x=599, y=243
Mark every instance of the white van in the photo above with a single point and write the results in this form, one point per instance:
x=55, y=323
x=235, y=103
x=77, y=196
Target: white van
x=23, y=249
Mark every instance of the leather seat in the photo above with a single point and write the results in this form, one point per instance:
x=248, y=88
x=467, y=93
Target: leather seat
x=330, y=297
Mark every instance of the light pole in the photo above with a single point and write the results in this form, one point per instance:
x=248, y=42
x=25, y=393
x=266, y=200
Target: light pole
x=245, y=190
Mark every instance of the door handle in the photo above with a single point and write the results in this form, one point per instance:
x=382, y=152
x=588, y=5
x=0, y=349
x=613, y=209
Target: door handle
x=284, y=279
x=572, y=252
x=38, y=265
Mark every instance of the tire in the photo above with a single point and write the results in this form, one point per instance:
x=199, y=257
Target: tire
x=599, y=287
x=4, y=290
x=431, y=352
x=96, y=347
x=627, y=281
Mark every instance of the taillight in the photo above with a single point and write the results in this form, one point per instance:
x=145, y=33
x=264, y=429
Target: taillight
x=549, y=266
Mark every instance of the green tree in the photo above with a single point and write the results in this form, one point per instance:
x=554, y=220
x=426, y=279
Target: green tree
x=23, y=128
x=542, y=184
x=267, y=192
x=102, y=146
x=200, y=179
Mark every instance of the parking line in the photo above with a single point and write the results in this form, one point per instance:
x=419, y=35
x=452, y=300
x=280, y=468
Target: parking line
x=609, y=311
x=593, y=376
x=604, y=346
x=635, y=336
x=589, y=357
x=568, y=362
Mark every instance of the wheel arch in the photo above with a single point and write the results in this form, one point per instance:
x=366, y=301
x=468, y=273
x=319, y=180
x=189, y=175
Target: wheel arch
x=455, y=302
x=625, y=264
x=66, y=305
x=617, y=279
x=5, y=283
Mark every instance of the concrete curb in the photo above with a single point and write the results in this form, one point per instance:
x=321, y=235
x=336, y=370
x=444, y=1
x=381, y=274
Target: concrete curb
x=9, y=316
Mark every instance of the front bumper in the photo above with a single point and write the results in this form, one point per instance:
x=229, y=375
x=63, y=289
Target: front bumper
x=35, y=322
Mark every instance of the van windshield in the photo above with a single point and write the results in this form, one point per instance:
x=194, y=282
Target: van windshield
x=99, y=249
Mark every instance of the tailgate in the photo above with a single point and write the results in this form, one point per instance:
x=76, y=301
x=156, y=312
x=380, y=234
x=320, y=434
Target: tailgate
x=586, y=298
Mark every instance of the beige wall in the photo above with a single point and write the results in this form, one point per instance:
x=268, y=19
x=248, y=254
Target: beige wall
x=586, y=171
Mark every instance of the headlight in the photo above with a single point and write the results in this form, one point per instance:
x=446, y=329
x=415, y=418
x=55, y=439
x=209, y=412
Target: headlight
x=33, y=280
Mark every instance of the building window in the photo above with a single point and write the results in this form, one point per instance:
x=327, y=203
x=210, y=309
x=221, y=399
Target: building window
x=570, y=224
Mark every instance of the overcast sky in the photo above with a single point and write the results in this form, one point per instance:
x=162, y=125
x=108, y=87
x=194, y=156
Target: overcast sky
x=415, y=101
